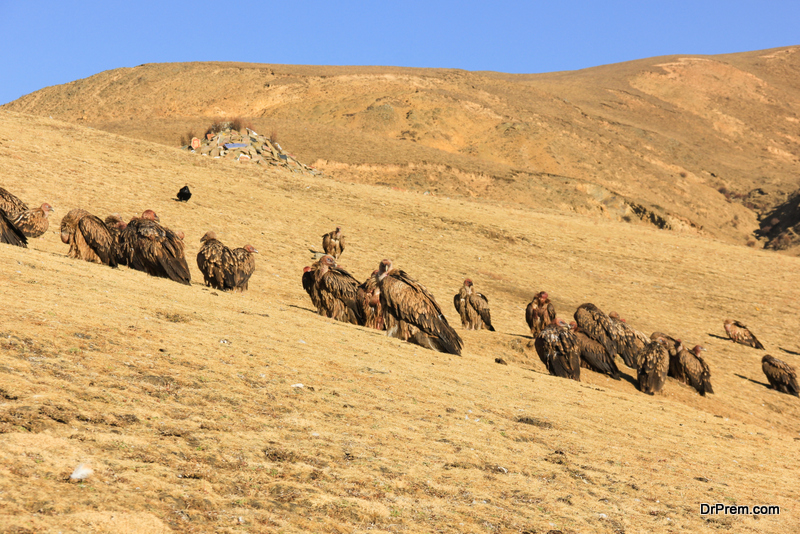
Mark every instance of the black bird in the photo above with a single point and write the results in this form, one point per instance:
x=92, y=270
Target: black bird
x=184, y=194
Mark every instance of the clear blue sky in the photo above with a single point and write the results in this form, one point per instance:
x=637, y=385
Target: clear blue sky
x=48, y=43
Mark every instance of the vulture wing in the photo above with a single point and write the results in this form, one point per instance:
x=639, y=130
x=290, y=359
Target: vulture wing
x=781, y=375
x=746, y=337
x=339, y=293
x=559, y=350
x=159, y=251
x=695, y=372
x=480, y=304
x=530, y=312
x=595, y=357
x=10, y=234
x=597, y=326
x=652, y=372
x=246, y=266
x=98, y=238
x=32, y=223
x=310, y=286
x=327, y=244
x=629, y=344
x=11, y=205
x=408, y=301
x=218, y=265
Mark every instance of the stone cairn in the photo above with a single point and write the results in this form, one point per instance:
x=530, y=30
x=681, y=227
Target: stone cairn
x=246, y=146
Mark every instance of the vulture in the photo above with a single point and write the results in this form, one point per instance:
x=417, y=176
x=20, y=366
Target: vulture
x=11, y=205
x=35, y=222
x=333, y=243
x=630, y=342
x=781, y=375
x=217, y=263
x=688, y=367
x=10, y=234
x=184, y=194
x=740, y=334
x=310, y=287
x=115, y=226
x=559, y=351
x=245, y=266
x=593, y=354
x=653, y=366
x=596, y=324
x=411, y=313
x=369, y=299
x=473, y=308
x=539, y=313
x=337, y=291
x=89, y=238
x=154, y=249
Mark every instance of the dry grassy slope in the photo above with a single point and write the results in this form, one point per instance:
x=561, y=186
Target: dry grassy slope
x=187, y=432
x=664, y=132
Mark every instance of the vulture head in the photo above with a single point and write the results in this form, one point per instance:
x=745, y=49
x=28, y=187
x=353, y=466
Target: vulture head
x=180, y=234
x=384, y=267
x=250, y=249
x=614, y=315
x=543, y=296
x=697, y=349
x=151, y=215
x=47, y=209
x=115, y=220
x=306, y=269
x=728, y=325
x=208, y=236
x=573, y=326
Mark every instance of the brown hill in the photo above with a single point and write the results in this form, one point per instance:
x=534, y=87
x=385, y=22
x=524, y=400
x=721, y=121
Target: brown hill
x=186, y=403
x=703, y=144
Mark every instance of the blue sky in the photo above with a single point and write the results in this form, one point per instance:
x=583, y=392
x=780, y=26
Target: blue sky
x=49, y=43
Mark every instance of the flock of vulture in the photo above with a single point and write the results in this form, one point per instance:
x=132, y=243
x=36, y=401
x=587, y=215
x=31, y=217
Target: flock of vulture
x=389, y=299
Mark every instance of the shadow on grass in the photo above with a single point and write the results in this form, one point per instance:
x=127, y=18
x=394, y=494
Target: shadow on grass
x=751, y=380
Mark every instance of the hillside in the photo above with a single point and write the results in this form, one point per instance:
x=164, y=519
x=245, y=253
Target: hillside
x=187, y=404
x=699, y=144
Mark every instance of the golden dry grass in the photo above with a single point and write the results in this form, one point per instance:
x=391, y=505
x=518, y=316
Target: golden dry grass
x=183, y=399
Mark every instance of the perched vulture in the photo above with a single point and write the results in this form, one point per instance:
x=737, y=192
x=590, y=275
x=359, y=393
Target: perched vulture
x=781, y=375
x=245, y=266
x=473, y=308
x=558, y=349
x=154, y=249
x=539, y=313
x=35, y=222
x=89, y=238
x=184, y=194
x=411, y=313
x=630, y=342
x=217, y=263
x=10, y=234
x=337, y=291
x=740, y=334
x=369, y=299
x=333, y=243
x=688, y=367
x=311, y=288
x=593, y=354
x=11, y=205
x=653, y=367
x=596, y=324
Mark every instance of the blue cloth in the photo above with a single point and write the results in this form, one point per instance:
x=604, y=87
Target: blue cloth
x=234, y=145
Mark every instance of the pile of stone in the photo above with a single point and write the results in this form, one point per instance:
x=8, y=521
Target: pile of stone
x=246, y=146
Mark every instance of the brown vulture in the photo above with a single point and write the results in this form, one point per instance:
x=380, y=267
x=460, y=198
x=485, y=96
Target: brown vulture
x=630, y=342
x=89, y=238
x=411, y=313
x=245, y=266
x=35, y=222
x=154, y=249
x=333, y=243
x=311, y=288
x=337, y=291
x=740, y=334
x=473, y=308
x=782, y=376
x=11, y=205
x=539, y=313
x=653, y=366
x=369, y=299
x=688, y=367
x=594, y=355
x=217, y=263
x=10, y=234
x=596, y=324
x=559, y=351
